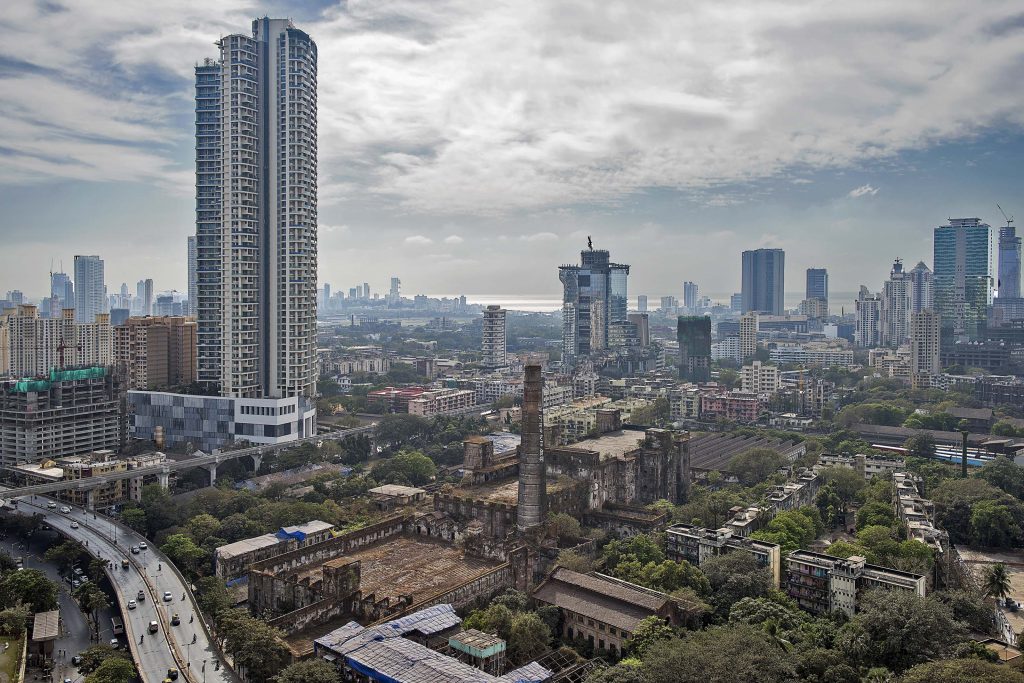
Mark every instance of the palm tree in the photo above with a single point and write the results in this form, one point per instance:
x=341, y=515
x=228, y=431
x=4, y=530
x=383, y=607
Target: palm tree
x=997, y=581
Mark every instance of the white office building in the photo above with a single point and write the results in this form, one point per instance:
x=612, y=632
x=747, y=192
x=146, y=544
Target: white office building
x=90, y=297
x=494, y=338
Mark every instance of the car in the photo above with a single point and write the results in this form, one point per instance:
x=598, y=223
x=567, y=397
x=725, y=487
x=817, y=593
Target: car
x=175, y=619
x=132, y=604
x=143, y=546
x=153, y=627
x=65, y=510
x=76, y=660
x=135, y=550
x=74, y=525
x=172, y=674
x=115, y=643
x=142, y=596
x=167, y=596
x=51, y=505
x=124, y=564
x=75, y=584
x=78, y=571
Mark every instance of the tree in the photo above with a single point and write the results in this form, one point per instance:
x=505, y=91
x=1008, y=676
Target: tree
x=830, y=505
x=762, y=611
x=993, y=524
x=721, y=654
x=91, y=599
x=495, y=619
x=1005, y=475
x=969, y=607
x=899, y=630
x=649, y=631
x=848, y=483
x=212, y=596
x=400, y=429
x=791, y=529
x=96, y=655
x=626, y=671
x=962, y=671
x=996, y=581
x=407, y=467
x=875, y=514
x=30, y=587
x=255, y=645
x=182, y=551
x=735, y=576
x=310, y=671
x=529, y=638
x=561, y=525
x=13, y=620
x=113, y=670
x=756, y=465
x=135, y=519
x=65, y=555
x=572, y=560
x=202, y=526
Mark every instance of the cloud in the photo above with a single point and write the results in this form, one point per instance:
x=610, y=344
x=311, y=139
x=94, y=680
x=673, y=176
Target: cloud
x=453, y=239
x=539, y=237
x=861, y=191
x=418, y=240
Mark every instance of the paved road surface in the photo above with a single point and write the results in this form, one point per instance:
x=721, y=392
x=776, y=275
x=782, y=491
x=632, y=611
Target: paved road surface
x=154, y=653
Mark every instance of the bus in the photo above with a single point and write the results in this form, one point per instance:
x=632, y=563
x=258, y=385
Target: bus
x=118, y=626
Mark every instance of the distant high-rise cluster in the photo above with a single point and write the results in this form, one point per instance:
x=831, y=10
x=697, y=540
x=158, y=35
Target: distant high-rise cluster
x=594, y=297
x=763, y=280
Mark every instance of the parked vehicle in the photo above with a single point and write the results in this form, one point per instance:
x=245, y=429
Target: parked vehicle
x=153, y=627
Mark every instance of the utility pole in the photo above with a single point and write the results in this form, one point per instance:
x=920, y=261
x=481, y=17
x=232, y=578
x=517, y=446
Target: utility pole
x=963, y=454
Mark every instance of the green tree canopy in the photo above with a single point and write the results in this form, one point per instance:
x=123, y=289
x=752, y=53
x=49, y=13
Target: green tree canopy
x=721, y=654
x=735, y=576
x=649, y=631
x=962, y=671
x=529, y=638
x=30, y=587
x=113, y=670
x=408, y=467
x=756, y=465
x=310, y=671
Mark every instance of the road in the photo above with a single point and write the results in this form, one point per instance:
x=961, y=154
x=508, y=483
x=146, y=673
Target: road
x=75, y=636
x=150, y=572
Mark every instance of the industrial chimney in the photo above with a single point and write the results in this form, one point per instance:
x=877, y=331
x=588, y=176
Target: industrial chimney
x=533, y=500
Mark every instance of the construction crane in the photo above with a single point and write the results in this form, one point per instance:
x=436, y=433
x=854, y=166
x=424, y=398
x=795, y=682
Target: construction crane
x=1009, y=219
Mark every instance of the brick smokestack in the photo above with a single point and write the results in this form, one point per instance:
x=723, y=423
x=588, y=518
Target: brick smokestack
x=533, y=500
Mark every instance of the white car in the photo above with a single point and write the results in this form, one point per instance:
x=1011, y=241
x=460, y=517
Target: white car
x=74, y=525
x=65, y=510
x=51, y=505
x=167, y=596
x=132, y=604
x=142, y=545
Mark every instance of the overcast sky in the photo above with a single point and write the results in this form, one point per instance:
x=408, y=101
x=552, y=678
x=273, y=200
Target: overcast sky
x=470, y=146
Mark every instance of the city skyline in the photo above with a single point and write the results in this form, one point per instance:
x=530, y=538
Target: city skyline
x=893, y=165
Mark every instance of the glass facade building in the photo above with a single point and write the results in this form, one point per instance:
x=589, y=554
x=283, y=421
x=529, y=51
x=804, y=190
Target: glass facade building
x=594, y=295
x=1008, y=285
x=963, y=276
x=763, y=283
x=693, y=332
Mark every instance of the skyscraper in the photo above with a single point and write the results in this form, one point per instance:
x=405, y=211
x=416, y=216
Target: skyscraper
x=817, y=284
x=748, y=334
x=867, y=333
x=922, y=288
x=594, y=296
x=192, y=282
x=924, y=347
x=63, y=289
x=693, y=332
x=144, y=295
x=1009, y=263
x=494, y=337
x=896, y=306
x=89, y=288
x=690, y=295
x=256, y=213
x=763, y=280
x=963, y=275
x=641, y=303
x=395, y=293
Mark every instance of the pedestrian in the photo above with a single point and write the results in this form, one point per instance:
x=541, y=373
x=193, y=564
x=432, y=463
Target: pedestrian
x=193, y=637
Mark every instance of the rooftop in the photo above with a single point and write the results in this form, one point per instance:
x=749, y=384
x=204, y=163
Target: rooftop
x=610, y=445
x=46, y=625
x=396, y=490
x=595, y=596
x=507, y=490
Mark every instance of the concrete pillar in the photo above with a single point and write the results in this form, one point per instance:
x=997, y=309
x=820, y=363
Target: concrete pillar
x=257, y=460
x=212, y=469
x=135, y=489
x=165, y=479
x=90, y=499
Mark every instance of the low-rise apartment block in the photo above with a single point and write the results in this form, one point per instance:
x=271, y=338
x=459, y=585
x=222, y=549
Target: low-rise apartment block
x=735, y=405
x=811, y=353
x=696, y=545
x=822, y=583
x=758, y=378
x=430, y=403
x=867, y=466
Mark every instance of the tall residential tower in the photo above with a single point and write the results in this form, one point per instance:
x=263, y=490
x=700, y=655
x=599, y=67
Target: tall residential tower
x=763, y=280
x=89, y=288
x=963, y=276
x=256, y=213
